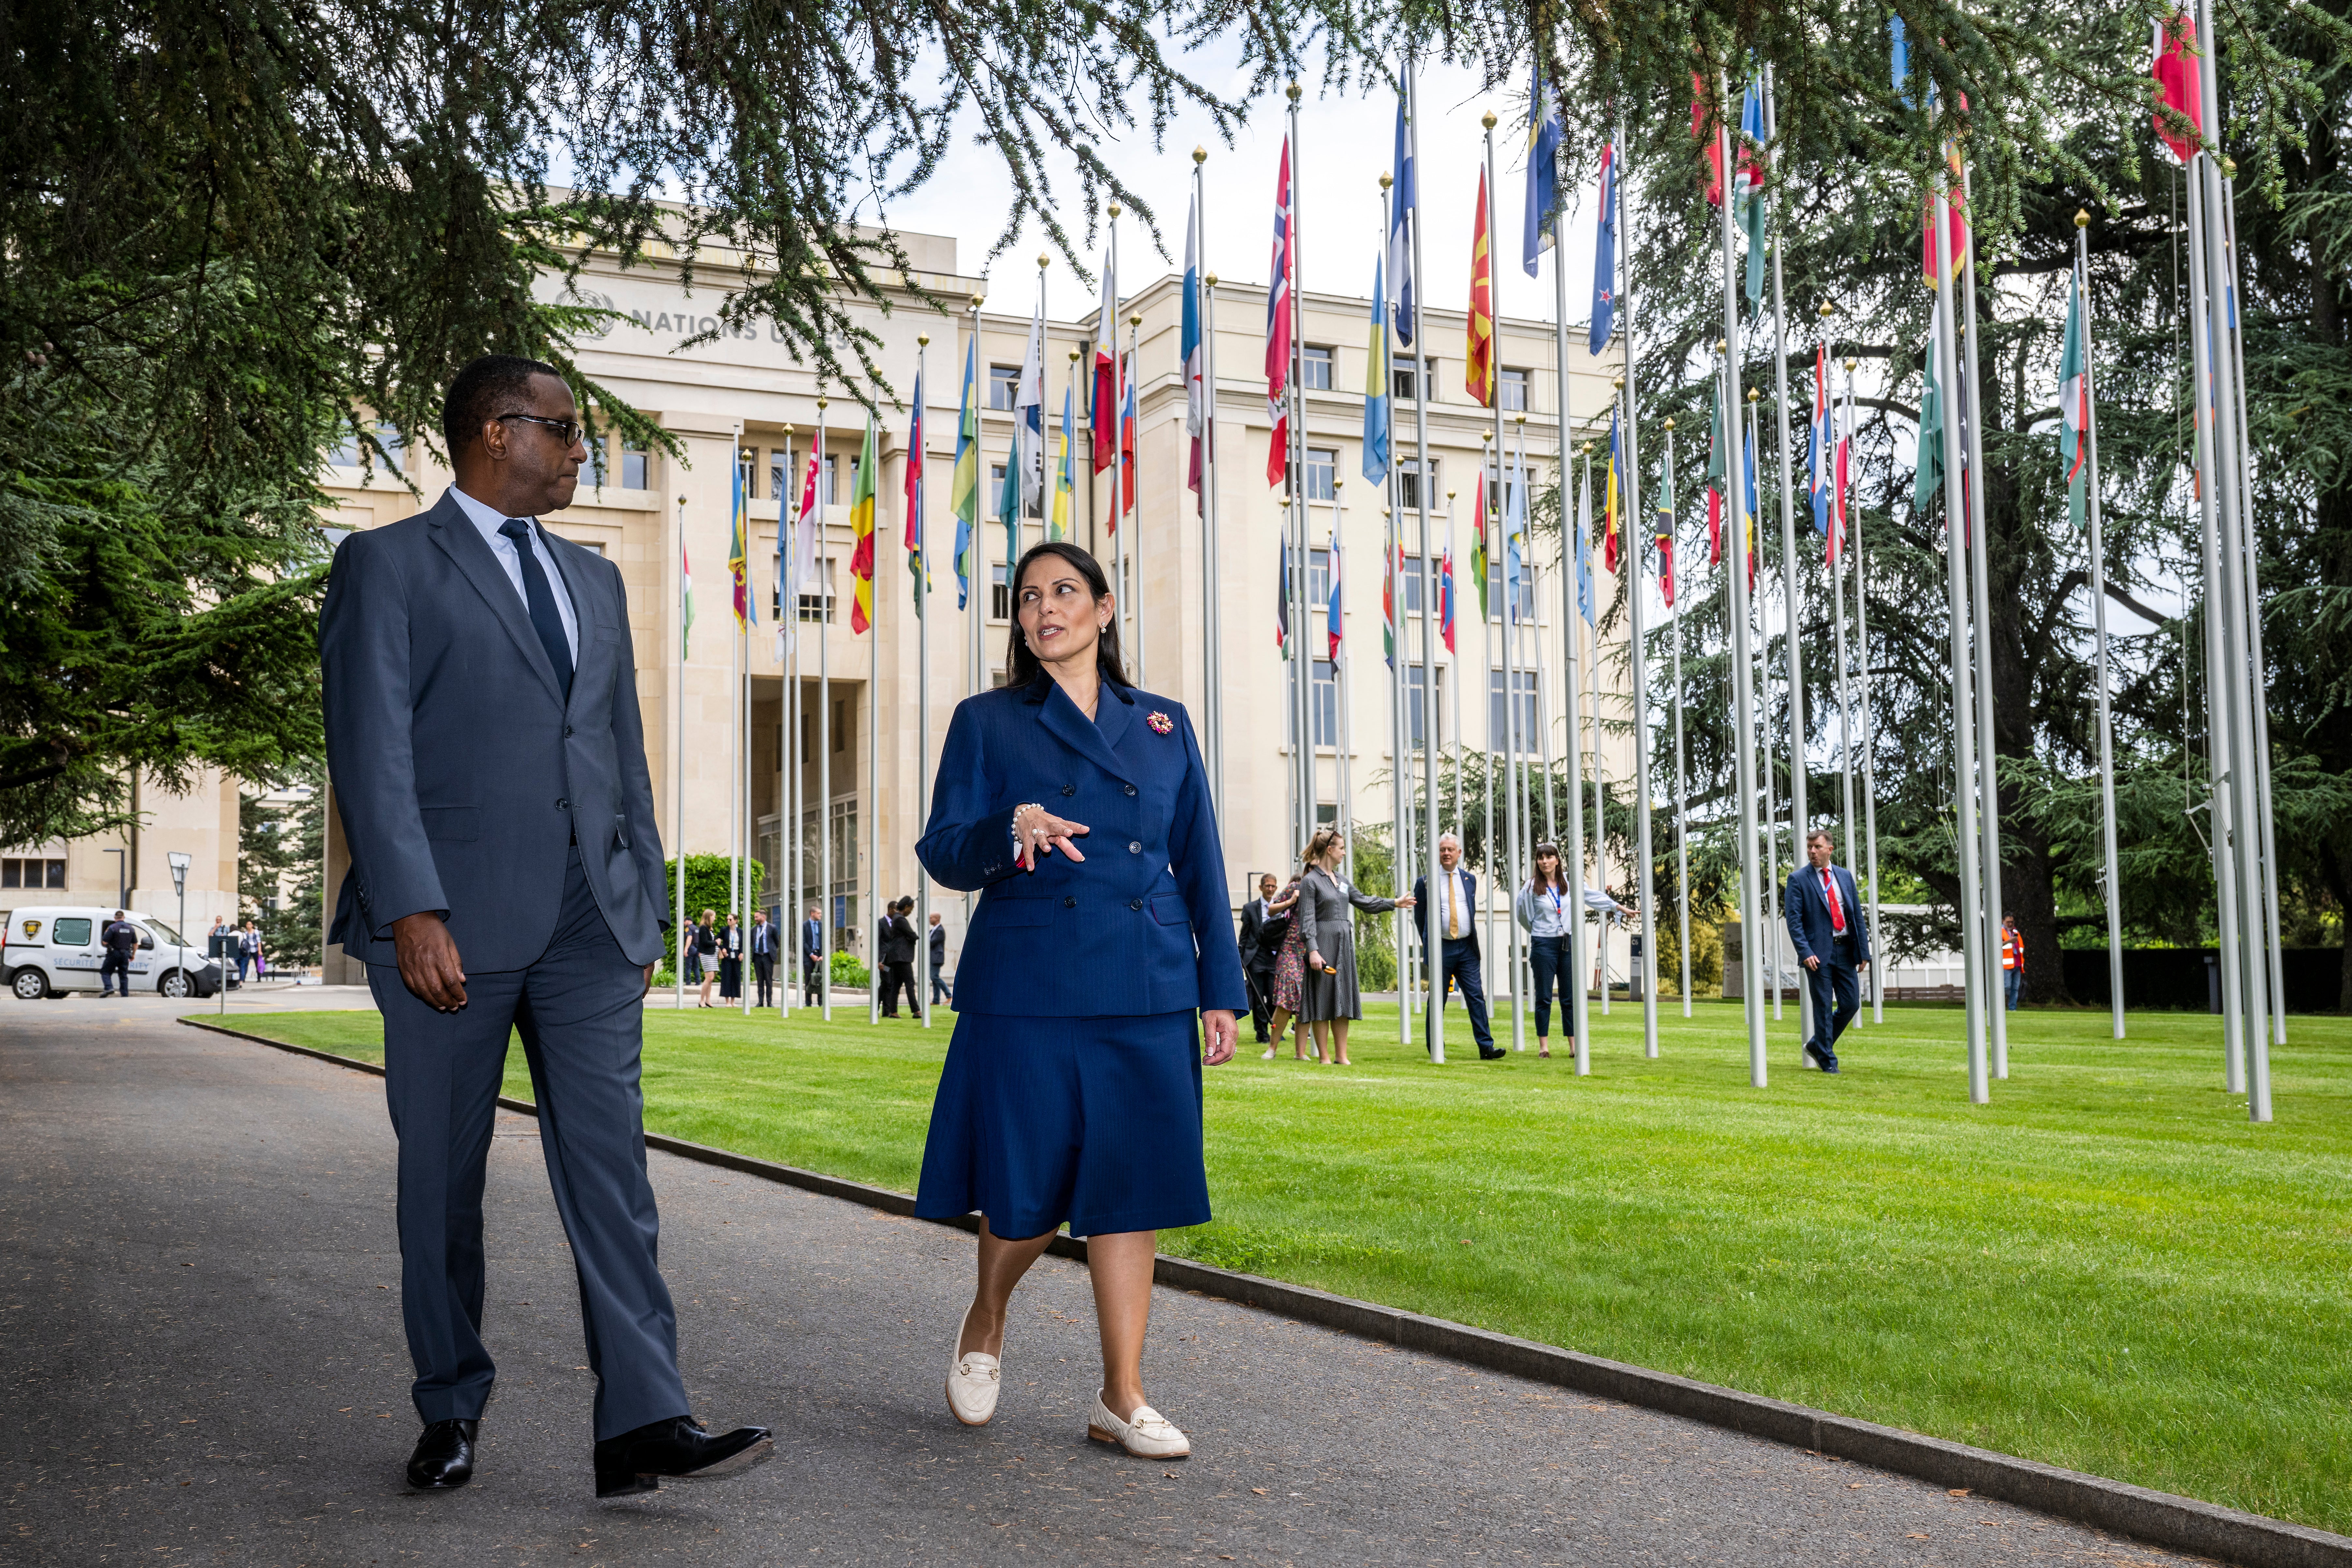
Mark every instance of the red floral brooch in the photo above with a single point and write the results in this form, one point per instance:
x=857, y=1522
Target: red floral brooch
x=1160, y=722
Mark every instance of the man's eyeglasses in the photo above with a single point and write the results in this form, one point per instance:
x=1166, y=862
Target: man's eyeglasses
x=569, y=429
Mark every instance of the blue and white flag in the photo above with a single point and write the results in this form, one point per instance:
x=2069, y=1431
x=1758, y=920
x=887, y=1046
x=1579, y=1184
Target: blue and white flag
x=1401, y=211
x=1540, y=226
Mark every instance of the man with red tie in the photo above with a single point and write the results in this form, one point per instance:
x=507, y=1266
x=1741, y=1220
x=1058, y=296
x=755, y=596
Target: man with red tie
x=1832, y=941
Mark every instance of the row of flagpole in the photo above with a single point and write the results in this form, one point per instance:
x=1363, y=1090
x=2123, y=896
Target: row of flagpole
x=1950, y=455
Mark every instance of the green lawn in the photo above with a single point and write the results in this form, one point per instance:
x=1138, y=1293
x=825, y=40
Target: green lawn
x=2106, y=1269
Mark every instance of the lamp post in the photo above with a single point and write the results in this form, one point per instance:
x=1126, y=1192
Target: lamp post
x=180, y=862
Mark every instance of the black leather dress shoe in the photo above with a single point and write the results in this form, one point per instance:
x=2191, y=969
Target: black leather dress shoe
x=1493, y=1055
x=444, y=1458
x=635, y=1461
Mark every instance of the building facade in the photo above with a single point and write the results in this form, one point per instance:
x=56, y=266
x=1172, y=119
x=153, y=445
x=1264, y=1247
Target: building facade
x=857, y=764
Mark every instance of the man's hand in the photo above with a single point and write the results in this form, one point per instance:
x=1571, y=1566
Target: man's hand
x=429, y=965
x=1863, y=967
x=1218, y=1025
x=1813, y=963
x=649, y=983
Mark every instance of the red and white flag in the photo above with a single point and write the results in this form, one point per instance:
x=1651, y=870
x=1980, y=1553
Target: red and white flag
x=1279, y=281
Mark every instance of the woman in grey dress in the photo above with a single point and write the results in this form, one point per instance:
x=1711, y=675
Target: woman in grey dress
x=1330, y=1001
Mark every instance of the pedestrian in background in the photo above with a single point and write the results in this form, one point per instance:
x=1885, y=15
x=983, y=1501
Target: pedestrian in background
x=2013, y=960
x=121, y=939
x=1289, y=970
x=704, y=937
x=1454, y=904
x=1542, y=907
x=730, y=961
x=1830, y=931
x=812, y=958
x=938, y=939
x=1072, y=1086
x=250, y=948
x=898, y=951
x=763, y=956
x=1257, y=970
x=1329, y=996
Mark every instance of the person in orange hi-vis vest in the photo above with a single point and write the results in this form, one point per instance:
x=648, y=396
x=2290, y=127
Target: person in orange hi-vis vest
x=2012, y=959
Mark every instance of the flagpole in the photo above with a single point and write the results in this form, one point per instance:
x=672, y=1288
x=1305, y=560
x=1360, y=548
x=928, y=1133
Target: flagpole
x=787, y=734
x=1980, y=551
x=2221, y=291
x=1599, y=810
x=1572, y=852
x=1799, y=817
x=1682, y=805
x=677, y=774
x=744, y=823
x=823, y=564
x=1763, y=630
x=2258, y=693
x=1302, y=664
x=1107, y=329
x=1118, y=495
x=1494, y=772
x=922, y=673
x=981, y=590
x=1966, y=846
x=1345, y=818
x=2113, y=881
x=872, y=878
x=1423, y=483
x=2218, y=807
x=1837, y=594
x=1869, y=738
x=1742, y=698
x=1213, y=554
x=1646, y=875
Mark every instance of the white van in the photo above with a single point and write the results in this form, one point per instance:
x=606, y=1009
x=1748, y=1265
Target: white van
x=49, y=950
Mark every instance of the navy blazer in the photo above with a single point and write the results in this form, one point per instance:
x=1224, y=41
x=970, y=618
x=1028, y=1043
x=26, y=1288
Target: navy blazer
x=461, y=772
x=1807, y=914
x=1141, y=925
x=1470, y=914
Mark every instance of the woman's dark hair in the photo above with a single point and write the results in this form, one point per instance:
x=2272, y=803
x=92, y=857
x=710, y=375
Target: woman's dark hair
x=1559, y=867
x=1021, y=662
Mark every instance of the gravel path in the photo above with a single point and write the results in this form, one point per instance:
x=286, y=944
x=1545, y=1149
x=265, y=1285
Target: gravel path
x=201, y=1351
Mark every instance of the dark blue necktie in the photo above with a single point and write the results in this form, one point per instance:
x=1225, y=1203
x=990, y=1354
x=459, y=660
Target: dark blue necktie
x=535, y=593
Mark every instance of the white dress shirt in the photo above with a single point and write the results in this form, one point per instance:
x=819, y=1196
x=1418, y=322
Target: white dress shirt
x=488, y=520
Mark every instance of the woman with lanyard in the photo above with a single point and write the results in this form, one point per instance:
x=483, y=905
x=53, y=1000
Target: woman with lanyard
x=1542, y=907
x=1100, y=964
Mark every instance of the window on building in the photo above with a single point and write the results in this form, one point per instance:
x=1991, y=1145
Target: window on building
x=1502, y=483
x=1402, y=391
x=1324, y=698
x=840, y=726
x=1318, y=578
x=32, y=871
x=635, y=463
x=1407, y=478
x=1409, y=582
x=1525, y=611
x=1523, y=686
x=1316, y=375
x=1000, y=593
x=817, y=598
x=1413, y=674
x=1322, y=468
x=747, y=471
x=829, y=488
x=1515, y=391
x=995, y=496
x=1003, y=387
x=780, y=481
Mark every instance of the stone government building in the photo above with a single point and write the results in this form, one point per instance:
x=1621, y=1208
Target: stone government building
x=747, y=382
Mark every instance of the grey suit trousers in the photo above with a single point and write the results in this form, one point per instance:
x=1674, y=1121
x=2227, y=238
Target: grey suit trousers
x=577, y=1008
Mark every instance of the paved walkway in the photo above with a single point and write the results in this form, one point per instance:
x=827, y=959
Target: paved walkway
x=201, y=1351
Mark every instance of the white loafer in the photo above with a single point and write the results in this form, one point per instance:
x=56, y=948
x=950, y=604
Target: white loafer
x=973, y=1380
x=1148, y=1434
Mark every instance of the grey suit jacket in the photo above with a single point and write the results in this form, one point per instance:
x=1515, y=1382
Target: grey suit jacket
x=461, y=774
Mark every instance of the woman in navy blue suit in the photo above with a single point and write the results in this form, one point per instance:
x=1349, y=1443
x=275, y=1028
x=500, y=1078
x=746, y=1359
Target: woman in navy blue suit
x=1079, y=807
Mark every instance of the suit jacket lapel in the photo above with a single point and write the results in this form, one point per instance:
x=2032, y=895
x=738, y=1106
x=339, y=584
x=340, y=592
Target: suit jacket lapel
x=1061, y=716
x=462, y=542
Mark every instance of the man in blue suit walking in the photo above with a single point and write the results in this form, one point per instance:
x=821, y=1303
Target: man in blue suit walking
x=1831, y=936
x=480, y=694
x=1456, y=913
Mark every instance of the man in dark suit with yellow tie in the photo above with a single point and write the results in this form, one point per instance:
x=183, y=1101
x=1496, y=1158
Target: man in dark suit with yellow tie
x=1831, y=936
x=480, y=696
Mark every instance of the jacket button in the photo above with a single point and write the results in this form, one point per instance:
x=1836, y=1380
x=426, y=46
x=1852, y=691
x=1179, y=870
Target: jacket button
x=563, y=805
x=1135, y=903
x=1069, y=789
x=567, y=735
x=1069, y=903
x=1134, y=847
x=1131, y=788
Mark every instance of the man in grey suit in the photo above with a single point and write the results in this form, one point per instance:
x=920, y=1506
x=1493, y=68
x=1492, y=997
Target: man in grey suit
x=489, y=766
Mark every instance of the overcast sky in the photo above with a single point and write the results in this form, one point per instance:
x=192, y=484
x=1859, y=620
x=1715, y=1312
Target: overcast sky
x=1345, y=146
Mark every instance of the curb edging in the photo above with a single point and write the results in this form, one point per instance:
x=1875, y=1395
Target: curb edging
x=2160, y=1518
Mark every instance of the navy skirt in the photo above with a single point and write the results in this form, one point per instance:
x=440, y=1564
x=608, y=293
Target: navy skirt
x=1096, y=1121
